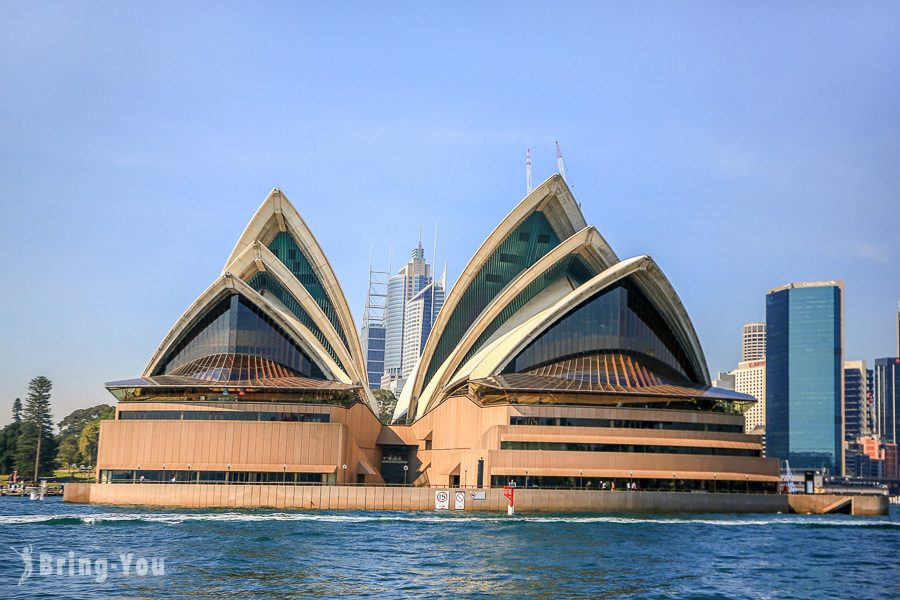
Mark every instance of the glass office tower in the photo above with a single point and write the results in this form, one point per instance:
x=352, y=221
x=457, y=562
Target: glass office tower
x=887, y=390
x=804, y=375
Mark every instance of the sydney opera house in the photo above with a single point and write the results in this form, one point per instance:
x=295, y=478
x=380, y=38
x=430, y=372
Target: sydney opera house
x=553, y=364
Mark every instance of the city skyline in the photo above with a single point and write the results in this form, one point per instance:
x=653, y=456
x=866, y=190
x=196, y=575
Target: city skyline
x=758, y=177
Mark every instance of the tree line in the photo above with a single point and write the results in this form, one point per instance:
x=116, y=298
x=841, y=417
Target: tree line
x=30, y=448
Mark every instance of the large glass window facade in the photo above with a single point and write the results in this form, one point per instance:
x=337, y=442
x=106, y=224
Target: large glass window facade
x=373, y=343
x=235, y=341
x=620, y=318
x=803, y=376
x=223, y=415
x=571, y=267
x=624, y=424
x=642, y=484
x=138, y=476
x=263, y=282
x=289, y=253
x=522, y=248
x=629, y=448
x=887, y=399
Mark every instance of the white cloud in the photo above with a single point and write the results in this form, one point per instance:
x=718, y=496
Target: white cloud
x=871, y=252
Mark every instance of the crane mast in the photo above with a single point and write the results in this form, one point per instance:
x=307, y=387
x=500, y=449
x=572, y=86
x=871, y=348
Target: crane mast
x=560, y=166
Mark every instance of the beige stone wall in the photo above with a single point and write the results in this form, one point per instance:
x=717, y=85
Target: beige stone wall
x=859, y=505
x=416, y=498
x=461, y=432
x=244, y=445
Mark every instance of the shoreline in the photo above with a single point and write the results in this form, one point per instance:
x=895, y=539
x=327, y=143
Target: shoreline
x=337, y=497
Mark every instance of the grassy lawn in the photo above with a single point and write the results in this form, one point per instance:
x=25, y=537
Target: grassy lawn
x=61, y=476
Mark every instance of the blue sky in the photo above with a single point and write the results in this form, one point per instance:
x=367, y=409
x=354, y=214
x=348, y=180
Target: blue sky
x=743, y=146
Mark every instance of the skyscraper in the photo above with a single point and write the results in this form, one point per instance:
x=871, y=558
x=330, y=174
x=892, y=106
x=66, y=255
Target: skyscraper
x=804, y=374
x=887, y=382
x=856, y=405
x=750, y=378
x=861, y=449
x=421, y=311
x=412, y=278
x=372, y=332
x=753, y=343
x=886, y=405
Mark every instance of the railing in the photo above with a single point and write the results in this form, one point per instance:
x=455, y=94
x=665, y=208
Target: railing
x=451, y=487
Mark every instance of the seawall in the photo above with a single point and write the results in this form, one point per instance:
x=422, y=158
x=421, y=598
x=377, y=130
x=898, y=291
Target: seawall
x=337, y=497
x=859, y=505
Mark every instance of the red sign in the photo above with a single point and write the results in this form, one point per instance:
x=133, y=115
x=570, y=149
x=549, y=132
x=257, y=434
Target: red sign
x=510, y=494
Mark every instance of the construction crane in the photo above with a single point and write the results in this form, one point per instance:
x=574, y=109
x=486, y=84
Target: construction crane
x=560, y=166
x=528, y=186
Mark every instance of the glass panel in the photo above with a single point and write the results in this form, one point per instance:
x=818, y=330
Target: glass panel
x=242, y=333
x=629, y=448
x=572, y=267
x=803, y=376
x=515, y=254
x=290, y=254
x=619, y=318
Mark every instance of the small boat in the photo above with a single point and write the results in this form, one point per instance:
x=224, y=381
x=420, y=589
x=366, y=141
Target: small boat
x=38, y=493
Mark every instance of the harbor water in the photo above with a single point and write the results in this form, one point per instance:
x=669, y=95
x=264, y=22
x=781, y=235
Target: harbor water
x=54, y=549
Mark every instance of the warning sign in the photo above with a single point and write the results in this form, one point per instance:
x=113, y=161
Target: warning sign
x=442, y=500
x=459, y=500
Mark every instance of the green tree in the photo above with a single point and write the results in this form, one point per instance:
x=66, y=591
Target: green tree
x=77, y=419
x=71, y=430
x=89, y=441
x=68, y=455
x=35, y=448
x=386, y=404
x=17, y=410
x=9, y=437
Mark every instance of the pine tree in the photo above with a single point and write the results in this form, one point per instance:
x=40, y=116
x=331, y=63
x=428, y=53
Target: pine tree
x=17, y=410
x=35, y=449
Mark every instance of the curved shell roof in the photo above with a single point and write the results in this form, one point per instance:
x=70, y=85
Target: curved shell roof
x=534, y=228
x=578, y=265
x=278, y=267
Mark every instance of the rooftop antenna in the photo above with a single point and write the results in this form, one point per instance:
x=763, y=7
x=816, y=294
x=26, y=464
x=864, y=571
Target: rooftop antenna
x=528, y=185
x=434, y=256
x=560, y=166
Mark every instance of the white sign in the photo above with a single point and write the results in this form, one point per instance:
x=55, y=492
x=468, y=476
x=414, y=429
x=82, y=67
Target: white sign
x=442, y=500
x=478, y=495
x=459, y=501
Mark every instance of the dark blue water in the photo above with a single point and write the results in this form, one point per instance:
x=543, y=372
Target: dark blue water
x=272, y=554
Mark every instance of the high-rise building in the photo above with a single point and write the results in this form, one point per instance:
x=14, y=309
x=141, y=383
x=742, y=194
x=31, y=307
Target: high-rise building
x=856, y=420
x=421, y=311
x=753, y=342
x=804, y=374
x=750, y=378
x=372, y=332
x=724, y=380
x=887, y=402
x=856, y=405
x=415, y=276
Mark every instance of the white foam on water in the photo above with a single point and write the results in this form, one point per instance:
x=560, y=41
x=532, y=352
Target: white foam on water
x=449, y=520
